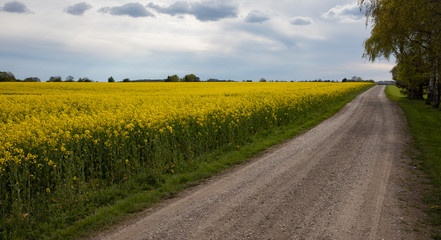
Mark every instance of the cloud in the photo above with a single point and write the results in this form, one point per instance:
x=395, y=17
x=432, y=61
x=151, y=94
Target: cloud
x=270, y=37
x=78, y=9
x=130, y=9
x=15, y=7
x=173, y=9
x=256, y=17
x=302, y=21
x=345, y=13
x=207, y=11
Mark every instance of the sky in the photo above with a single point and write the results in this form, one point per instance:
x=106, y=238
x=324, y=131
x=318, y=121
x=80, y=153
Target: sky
x=151, y=39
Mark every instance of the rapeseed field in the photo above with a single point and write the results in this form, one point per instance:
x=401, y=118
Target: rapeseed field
x=60, y=142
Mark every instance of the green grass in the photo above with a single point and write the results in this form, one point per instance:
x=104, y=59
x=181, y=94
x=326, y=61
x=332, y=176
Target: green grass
x=425, y=127
x=134, y=196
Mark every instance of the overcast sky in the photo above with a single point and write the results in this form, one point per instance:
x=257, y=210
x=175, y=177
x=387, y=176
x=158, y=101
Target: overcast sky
x=240, y=39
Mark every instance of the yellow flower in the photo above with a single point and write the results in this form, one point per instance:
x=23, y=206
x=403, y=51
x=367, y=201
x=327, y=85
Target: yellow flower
x=57, y=121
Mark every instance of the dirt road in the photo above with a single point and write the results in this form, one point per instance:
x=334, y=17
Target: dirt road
x=340, y=180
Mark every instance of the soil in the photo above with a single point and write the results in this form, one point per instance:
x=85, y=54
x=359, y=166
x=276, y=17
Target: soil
x=347, y=178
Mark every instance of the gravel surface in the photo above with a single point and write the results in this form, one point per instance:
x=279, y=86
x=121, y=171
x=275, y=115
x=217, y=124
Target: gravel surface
x=344, y=179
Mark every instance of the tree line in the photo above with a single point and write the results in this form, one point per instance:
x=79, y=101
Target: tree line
x=173, y=78
x=187, y=78
x=411, y=32
x=9, y=77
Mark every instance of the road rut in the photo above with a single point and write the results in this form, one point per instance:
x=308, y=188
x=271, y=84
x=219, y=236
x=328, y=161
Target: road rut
x=332, y=182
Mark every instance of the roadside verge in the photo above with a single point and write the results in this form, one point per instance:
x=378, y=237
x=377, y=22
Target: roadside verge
x=425, y=127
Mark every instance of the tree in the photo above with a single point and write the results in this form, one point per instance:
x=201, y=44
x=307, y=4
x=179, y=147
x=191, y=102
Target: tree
x=126, y=80
x=411, y=75
x=110, y=79
x=55, y=79
x=84, y=80
x=410, y=31
x=69, y=79
x=174, y=78
x=191, y=78
x=356, y=79
x=262, y=80
x=7, y=77
x=32, y=79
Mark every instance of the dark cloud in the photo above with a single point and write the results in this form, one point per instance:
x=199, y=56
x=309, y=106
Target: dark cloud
x=15, y=7
x=345, y=13
x=301, y=21
x=78, y=9
x=207, y=11
x=130, y=9
x=256, y=17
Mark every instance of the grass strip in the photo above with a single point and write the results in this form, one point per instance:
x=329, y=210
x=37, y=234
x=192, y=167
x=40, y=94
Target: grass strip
x=194, y=172
x=425, y=127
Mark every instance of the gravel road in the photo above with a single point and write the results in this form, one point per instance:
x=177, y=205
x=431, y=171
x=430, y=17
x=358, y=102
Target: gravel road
x=340, y=180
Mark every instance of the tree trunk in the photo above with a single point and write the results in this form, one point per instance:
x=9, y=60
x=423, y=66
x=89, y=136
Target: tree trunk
x=430, y=88
x=420, y=94
x=436, y=95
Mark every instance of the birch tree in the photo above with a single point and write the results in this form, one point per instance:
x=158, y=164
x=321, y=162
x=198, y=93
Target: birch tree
x=408, y=30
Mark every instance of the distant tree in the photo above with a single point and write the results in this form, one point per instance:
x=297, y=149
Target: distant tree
x=55, y=79
x=344, y=80
x=7, y=77
x=174, y=78
x=214, y=80
x=262, y=80
x=84, y=80
x=69, y=79
x=126, y=80
x=32, y=79
x=191, y=78
x=111, y=79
